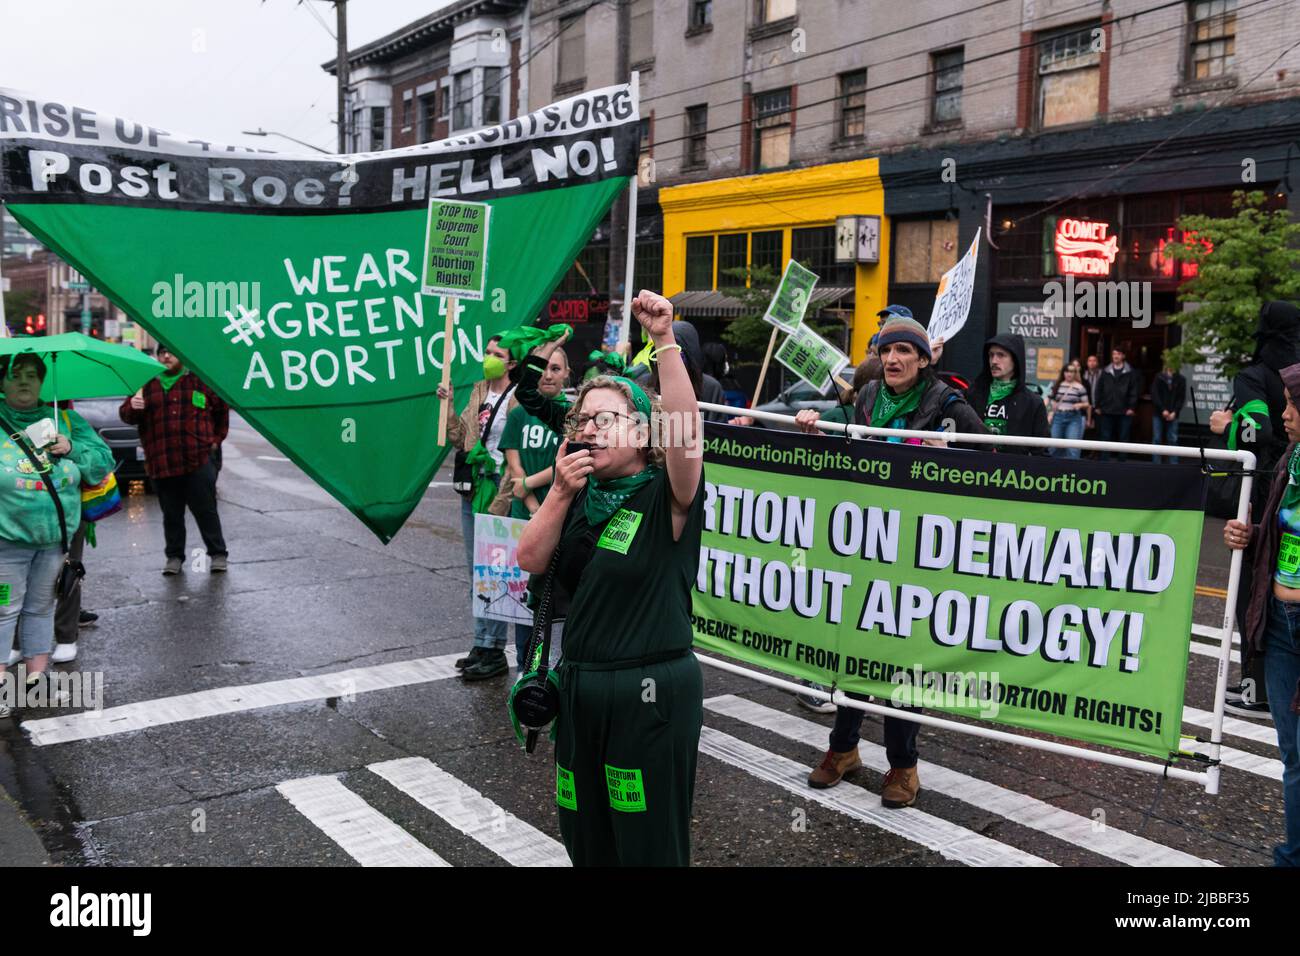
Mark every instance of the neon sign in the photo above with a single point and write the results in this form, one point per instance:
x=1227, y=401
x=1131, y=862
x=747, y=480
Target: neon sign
x=1083, y=247
x=1166, y=264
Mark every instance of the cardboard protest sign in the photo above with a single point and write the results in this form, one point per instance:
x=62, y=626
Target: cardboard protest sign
x=1042, y=593
x=812, y=358
x=952, y=301
x=455, y=249
x=293, y=284
x=788, y=305
x=499, y=585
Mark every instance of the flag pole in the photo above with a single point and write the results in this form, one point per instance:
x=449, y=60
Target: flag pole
x=629, y=289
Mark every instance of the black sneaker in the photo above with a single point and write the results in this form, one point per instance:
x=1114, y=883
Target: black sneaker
x=87, y=617
x=471, y=658
x=491, y=663
x=1255, y=711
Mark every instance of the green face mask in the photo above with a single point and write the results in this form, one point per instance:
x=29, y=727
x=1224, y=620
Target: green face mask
x=493, y=368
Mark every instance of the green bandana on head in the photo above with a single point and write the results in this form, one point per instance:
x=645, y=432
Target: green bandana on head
x=889, y=406
x=640, y=399
x=522, y=340
x=610, y=360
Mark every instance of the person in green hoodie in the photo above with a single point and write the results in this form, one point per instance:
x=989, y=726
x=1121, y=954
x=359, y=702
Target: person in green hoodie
x=31, y=538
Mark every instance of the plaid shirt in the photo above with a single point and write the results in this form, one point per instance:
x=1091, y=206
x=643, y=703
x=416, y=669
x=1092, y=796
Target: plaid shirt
x=178, y=427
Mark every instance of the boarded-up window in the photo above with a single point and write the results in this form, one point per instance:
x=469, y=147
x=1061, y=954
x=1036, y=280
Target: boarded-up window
x=924, y=250
x=573, y=49
x=772, y=117
x=641, y=43
x=1069, y=75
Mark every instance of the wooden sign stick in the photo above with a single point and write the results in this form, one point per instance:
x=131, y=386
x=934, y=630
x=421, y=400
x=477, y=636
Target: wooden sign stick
x=762, y=372
x=448, y=352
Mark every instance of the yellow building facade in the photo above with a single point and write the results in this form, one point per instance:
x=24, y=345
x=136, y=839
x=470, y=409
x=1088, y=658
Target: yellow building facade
x=791, y=203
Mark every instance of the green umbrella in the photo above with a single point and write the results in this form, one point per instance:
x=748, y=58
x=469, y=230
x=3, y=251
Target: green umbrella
x=78, y=366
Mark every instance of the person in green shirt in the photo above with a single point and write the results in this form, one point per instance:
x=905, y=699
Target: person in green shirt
x=529, y=446
x=32, y=539
x=625, y=514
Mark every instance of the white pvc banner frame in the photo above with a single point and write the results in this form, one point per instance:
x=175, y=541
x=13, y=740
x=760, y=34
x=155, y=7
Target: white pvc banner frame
x=1209, y=779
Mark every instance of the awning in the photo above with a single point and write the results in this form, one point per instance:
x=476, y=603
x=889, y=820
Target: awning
x=713, y=304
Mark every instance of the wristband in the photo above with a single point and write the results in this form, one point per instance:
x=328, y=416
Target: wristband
x=526, y=488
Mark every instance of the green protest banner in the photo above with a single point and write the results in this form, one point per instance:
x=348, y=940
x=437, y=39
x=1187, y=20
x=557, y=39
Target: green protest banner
x=788, y=305
x=455, y=249
x=1045, y=594
x=293, y=283
x=811, y=357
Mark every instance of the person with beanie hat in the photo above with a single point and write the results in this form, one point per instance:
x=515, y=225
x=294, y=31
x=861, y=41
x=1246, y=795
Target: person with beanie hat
x=908, y=396
x=999, y=392
x=1272, y=625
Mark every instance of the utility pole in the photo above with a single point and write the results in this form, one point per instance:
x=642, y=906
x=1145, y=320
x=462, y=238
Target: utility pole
x=341, y=11
x=617, y=216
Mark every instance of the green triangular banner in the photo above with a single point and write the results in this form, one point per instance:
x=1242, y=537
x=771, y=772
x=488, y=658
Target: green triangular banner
x=295, y=295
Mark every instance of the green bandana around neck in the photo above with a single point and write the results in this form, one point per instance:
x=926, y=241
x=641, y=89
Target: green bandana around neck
x=999, y=389
x=889, y=406
x=167, y=379
x=606, y=497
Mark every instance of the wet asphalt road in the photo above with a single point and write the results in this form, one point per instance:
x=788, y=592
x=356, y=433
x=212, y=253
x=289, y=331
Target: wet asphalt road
x=311, y=592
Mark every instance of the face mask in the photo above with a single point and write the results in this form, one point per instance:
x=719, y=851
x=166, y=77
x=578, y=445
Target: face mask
x=493, y=368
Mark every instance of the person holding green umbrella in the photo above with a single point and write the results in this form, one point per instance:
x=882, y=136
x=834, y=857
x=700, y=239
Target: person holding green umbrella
x=44, y=459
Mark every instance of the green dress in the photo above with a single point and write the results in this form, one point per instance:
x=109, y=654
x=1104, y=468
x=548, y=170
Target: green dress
x=631, y=690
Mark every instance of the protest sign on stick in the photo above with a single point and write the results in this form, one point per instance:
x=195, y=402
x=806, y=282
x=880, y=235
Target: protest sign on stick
x=812, y=358
x=455, y=267
x=952, y=301
x=786, y=311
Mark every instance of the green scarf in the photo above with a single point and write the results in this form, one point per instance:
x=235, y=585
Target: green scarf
x=1291, y=493
x=487, y=478
x=998, y=390
x=605, y=497
x=167, y=380
x=889, y=406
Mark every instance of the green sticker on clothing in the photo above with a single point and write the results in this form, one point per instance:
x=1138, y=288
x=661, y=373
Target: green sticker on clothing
x=620, y=531
x=625, y=790
x=199, y=399
x=4, y=595
x=565, y=795
x=1288, y=553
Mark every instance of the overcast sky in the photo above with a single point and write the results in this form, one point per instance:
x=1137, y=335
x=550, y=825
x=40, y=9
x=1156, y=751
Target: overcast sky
x=210, y=68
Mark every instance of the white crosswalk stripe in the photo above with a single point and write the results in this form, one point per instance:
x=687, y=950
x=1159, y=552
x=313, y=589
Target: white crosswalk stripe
x=367, y=835
x=1028, y=811
x=125, y=718
x=471, y=813
x=951, y=841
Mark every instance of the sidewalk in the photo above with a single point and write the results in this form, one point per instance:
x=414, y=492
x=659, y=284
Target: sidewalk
x=19, y=844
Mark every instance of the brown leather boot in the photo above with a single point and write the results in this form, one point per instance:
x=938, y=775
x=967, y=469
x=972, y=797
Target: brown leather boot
x=901, y=788
x=833, y=767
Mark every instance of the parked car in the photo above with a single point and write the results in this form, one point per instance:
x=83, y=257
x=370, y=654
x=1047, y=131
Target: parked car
x=121, y=438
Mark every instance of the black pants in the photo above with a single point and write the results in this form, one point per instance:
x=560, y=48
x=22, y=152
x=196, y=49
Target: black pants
x=67, y=612
x=900, y=735
x=198, y=491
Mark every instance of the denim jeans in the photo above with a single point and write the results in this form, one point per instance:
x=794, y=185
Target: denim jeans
x=900, y=735
x=488, y=634
x=1115, y=428
x=1067, y=425
x=1163, y=433
x=27, y=579
x=1281, y=673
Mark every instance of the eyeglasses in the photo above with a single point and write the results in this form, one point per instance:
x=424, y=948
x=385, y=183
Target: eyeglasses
x=604, y=420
